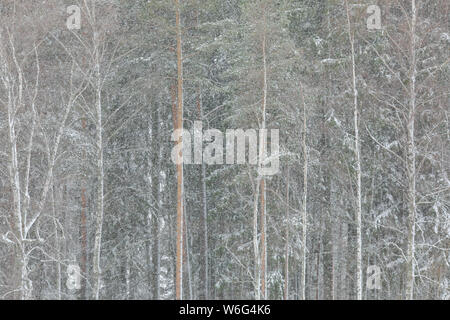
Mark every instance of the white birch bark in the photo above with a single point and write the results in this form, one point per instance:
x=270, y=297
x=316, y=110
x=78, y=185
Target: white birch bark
x=411, y=161
x=357, y=163
x=262, y=156
x=286, y=263
x=97, y=276
x=100, y=187
x=256, y=276
x=205, y=270
x=304, y=202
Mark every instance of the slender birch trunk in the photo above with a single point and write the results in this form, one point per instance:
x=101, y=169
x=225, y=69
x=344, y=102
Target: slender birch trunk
x=187, y=256
x=100, y=176
x=305, y=195
x=57, y=243
x=286, y=263
x=262, y=144
x=180, y=183
x=263, y=240
x=83, y=228
x=205, y=268
x=156, y=186
x=156, y=258
x=358, y=163
x=256, y=276
x=127, y=275
x=411, y=161
x=205, y=236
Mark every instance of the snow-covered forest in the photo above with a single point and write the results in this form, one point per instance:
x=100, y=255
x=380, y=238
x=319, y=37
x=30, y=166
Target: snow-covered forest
x=92, y=205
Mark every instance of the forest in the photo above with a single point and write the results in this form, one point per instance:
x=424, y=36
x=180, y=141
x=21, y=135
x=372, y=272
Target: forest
x=224, y=150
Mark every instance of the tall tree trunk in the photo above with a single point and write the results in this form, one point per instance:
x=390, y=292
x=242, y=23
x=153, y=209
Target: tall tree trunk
x=205, y=271
x=358, y=163
x=25, y=282
x=343, y=245
x=305, y=196
x=57, y=244
x=100, y=179
x=204, y=294
x=180, y=183
x=256, y=275
x=83, y=228
x=319, y=252
x=187, y=256
x=127, y=274
x=263, y=240
x=156, y=264
x=154, y=211
x=262, y=144
x=286, y=259
x=411, y=161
